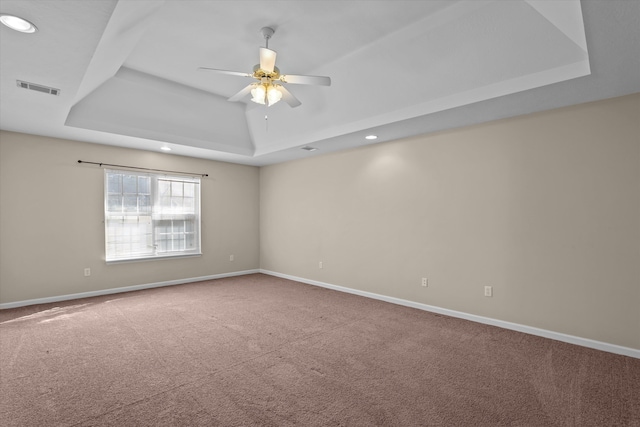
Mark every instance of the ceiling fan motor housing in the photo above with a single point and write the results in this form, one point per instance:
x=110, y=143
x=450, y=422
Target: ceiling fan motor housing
x=259, y=73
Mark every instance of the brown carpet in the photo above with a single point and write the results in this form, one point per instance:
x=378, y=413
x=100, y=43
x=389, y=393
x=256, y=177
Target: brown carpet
x=262, y=351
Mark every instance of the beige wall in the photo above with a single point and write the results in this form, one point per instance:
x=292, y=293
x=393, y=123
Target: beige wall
x=545, y=208
x=51, y=218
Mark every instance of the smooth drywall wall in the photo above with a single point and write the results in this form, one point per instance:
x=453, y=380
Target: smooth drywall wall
x=545, y=208
x=52, y=212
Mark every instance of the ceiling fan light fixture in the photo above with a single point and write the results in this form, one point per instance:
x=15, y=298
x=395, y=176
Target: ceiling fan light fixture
x=273, y=94
x=266, y=94
x=258, y=94
x=18, y=24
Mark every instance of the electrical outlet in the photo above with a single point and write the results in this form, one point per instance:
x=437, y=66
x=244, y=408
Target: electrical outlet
x=231, y=258
x=488, y=291
x=320, y=264
x=87, y=272
x=425, y=282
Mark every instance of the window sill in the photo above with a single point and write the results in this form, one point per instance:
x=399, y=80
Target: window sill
x=153, y=258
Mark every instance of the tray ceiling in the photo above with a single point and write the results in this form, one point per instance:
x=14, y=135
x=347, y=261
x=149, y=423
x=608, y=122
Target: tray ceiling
x=128, y=74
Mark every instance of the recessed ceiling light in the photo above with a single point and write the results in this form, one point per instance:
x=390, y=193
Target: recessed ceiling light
x=18, y=24
x=165, y=148
x=371, y=137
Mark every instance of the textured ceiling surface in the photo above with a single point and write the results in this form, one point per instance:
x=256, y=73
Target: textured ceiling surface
x=128, y=70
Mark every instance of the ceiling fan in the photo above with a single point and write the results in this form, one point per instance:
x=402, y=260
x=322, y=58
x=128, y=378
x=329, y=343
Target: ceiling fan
x=268, y=89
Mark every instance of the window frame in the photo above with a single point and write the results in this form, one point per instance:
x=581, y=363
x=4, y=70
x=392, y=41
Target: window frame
x=156, y=213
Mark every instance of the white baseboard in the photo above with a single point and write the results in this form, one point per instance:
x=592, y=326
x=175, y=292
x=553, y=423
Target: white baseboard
x=585, y=342
x=123, y=289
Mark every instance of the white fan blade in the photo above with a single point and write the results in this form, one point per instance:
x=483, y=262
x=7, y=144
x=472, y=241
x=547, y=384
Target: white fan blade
x=306, y=80
x=267, y=59
x=231, y=73
x=244, y=92
x=288, y=97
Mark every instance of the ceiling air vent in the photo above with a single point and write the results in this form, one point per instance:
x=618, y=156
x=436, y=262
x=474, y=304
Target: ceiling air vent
x=38, y=88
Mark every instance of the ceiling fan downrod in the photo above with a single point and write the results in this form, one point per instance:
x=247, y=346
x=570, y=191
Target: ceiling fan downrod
x=267, y=32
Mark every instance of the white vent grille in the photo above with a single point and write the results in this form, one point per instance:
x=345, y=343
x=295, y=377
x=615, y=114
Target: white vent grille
x=38, y=88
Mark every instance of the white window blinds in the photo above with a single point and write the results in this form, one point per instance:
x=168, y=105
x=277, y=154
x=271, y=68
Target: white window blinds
x=150, y=215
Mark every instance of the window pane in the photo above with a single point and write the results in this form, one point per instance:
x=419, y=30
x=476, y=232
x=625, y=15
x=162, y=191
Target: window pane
x=143, y=185
x=114, y=203
x=163, y=227
x=165, y=202
x=190, y=241
x=178, y=243
x=164, y=188
x=176, y=203
x=189, y=189
x=144, y=203
x=189, y=204
x=129, y=183
x=176, y=188
x=131, y=203
x=114, y=183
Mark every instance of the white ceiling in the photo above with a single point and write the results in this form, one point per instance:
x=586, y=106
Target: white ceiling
x=127, y=70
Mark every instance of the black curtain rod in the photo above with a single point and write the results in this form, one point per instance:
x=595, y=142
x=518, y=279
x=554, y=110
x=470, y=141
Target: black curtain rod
x=142, y=169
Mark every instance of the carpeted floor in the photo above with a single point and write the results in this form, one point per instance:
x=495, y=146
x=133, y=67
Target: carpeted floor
x=262, y=351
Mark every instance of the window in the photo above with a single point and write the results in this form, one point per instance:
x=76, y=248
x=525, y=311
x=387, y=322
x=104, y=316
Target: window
x=150, y=215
